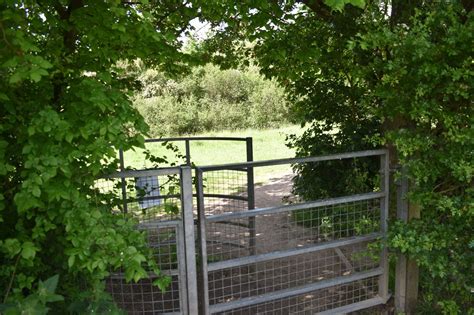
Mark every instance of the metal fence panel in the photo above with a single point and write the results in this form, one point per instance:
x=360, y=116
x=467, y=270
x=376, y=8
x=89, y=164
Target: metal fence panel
x=315, y=258
x=153, y=197
x=297, y=257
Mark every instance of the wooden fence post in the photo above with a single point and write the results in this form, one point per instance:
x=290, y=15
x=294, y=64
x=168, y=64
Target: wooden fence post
x=407, y=272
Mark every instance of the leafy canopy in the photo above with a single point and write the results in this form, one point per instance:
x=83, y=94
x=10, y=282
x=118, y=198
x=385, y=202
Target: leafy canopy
x=65, y=111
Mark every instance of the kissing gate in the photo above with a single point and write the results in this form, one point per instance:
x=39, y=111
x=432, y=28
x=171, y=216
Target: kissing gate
x=225, y=255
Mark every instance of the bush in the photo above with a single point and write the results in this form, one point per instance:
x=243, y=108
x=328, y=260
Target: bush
x=210, y=99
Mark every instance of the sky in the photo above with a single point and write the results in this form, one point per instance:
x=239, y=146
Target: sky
x=199, y=32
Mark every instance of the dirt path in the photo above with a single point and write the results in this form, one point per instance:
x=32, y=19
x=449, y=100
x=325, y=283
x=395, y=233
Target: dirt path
x=271, y=193
x=276, y=232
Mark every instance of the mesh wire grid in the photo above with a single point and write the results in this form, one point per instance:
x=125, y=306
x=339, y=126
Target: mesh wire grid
x=143, y=297
x=232, y=239
x=231, y=186
x=285, y=230
x=149, y=199
x=285, y=273
x=169, y=153
x=316, y=301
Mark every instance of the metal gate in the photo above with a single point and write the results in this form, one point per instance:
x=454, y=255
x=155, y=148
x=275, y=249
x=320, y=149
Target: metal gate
x=166, y=217
x=314, y=257
x=230, y=257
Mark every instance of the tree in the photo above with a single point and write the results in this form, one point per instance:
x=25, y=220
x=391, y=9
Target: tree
x=65, y=112
x=395, y=73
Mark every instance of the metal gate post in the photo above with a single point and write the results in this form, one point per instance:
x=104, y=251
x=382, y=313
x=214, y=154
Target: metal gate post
x=251, y=197
x=189, y=240
x=187, y=152
x=384, y=186
x=203, y=277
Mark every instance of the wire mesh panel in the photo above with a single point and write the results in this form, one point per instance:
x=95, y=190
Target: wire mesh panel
x=226, y=191
x=295, y=256
x=144, y=196
x=153, y=198
x=143, y=297
x=282, y=230
x=316, y=301
x=273, y=275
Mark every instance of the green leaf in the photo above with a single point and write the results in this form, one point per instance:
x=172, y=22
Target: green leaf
x=4, y=97
x=36, y=74
x=54, y=298
x=337, y=5
x=16, y=77
x=12, y=246
x=36, y=191
x=71, y=260
x=163, y=283
x=358, y=3
x=28, y=250
x=51, y=283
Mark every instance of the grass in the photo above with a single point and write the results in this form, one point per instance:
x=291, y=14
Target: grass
x=268, y=144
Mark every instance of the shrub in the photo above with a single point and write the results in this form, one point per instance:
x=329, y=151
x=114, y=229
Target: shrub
x=210, y=99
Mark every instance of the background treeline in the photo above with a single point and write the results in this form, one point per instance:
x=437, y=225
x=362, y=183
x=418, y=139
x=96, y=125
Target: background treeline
x=209, y=99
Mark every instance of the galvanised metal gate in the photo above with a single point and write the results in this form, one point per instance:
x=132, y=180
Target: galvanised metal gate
x=304, y=257
x=162, y=201
x=167, y=220
x=300, y=258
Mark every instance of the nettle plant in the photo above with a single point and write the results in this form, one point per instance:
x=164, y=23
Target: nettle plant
x=65, y=112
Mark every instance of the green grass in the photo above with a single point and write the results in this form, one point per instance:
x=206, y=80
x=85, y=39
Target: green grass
x=267, y=144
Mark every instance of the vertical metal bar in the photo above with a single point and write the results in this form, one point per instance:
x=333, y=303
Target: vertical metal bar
x=251, y=197
x=203, y=276
x=188, y=152
x=123, y=182
x=182, y=273
x=189, y=240
x=385, y=185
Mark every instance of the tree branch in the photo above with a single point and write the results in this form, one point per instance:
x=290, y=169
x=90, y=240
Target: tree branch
x=319, y=8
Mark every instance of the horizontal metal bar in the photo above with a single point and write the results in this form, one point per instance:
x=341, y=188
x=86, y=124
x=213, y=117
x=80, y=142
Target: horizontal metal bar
x=216, y=308
x=143, y=173
x=222, y=196
x=227, y=243
x=321, y=158
x=242, y=225
x=145, y=198
x=162, y=244
x=151, y=275
x=355, y=306
x=195, y=139
x=294, y=207
x=236, y=169
x=291, y=252
x=158, y=224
